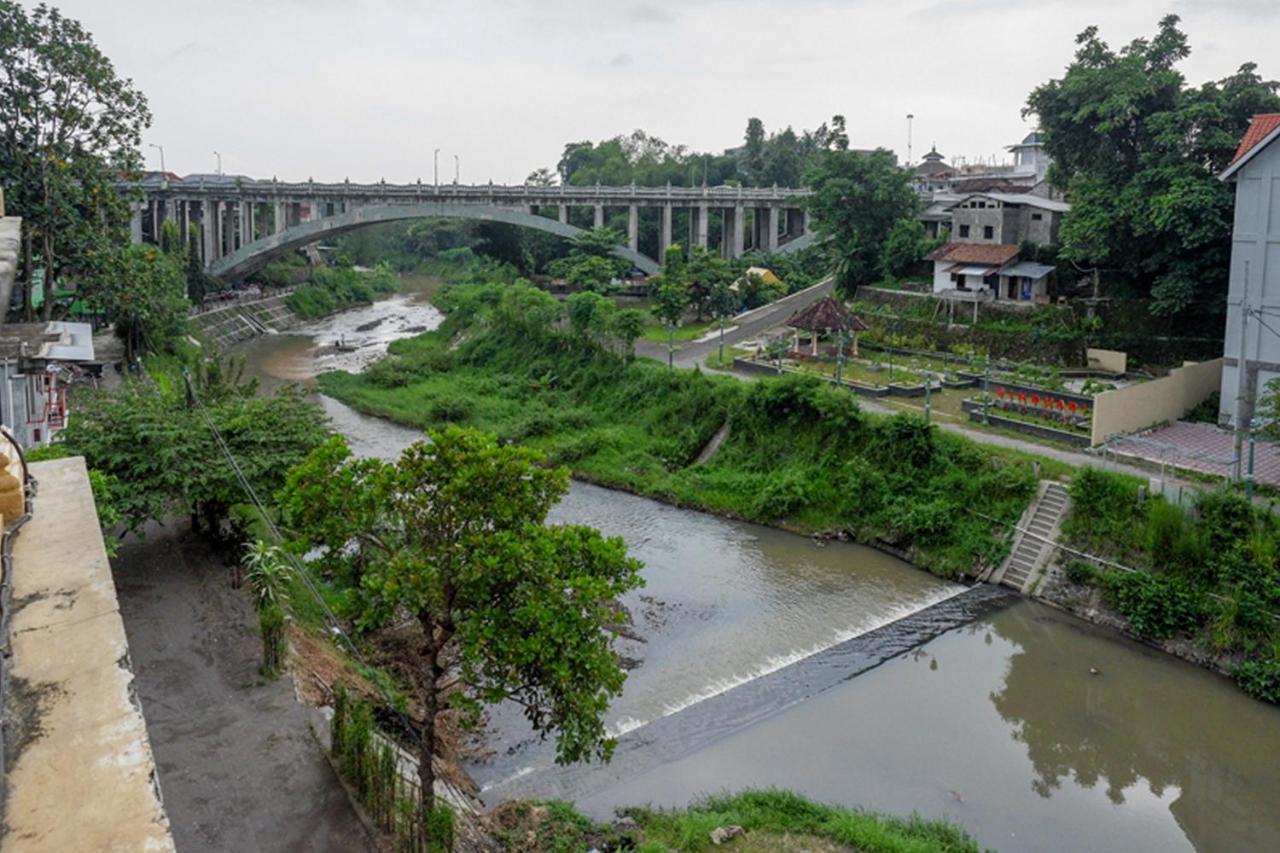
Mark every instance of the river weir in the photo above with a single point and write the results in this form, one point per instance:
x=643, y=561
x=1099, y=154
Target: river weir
x=761, y=658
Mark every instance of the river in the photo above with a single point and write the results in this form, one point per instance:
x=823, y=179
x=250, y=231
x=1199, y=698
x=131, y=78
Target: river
x=1034, y=730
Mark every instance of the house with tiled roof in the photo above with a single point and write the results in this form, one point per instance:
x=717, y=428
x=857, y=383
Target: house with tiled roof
x=991, y=271
x=1253, y=292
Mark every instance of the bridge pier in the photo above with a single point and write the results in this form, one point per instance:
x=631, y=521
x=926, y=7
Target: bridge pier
x=664, y=232
x=599, y=215
x=633, y=228
x=699, y=225
x=562, y=214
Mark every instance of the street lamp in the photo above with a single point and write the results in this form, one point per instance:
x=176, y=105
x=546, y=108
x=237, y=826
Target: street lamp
x=219, y=156
x=160, y=148
x=457, y=170
x=437, y=168
x=910, y=118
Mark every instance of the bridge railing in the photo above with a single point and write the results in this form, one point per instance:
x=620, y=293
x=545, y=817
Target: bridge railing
x=482, y=192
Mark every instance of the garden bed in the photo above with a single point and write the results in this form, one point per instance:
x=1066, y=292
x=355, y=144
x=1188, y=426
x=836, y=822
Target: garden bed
x=994, y=417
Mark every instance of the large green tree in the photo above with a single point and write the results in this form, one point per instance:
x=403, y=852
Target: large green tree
x=150, y=435
x=858, y=197
x=69, y=129
x=453, y=536
x=1137, y=151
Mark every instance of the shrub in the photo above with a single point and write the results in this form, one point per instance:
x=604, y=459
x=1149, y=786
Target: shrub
x=449, y=409
x=1260, y=679
x=1173, y=540
x=1080, y=571
x=1156, y=607
x=782, y=495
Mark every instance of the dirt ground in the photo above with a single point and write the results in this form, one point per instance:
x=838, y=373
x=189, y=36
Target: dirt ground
x=239, y=769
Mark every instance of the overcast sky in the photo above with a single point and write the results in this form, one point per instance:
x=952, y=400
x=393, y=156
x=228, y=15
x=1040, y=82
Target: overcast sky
x=366, y=89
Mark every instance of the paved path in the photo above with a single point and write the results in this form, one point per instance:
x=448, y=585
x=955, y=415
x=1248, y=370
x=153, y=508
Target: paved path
x=238, y=766
x=747, y=326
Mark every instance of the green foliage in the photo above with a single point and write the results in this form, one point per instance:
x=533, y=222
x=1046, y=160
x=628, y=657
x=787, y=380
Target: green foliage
x=275, y=640
x=1260, y=678
x=141, y=291
x=628, y=324
x=904, y=249
x=146, y=434
x=1080, y=571
x=858, y=199
x=1156, y=607
x=267, y=572
x=334, y=288
x=773, y=813
x=454, y=533
x=1138, y=152
x=71, y=129
x=799, y=451
x=590, y=314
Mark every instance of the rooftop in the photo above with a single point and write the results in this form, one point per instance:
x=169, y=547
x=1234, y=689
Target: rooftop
x=1263, y=128
x=990, y=254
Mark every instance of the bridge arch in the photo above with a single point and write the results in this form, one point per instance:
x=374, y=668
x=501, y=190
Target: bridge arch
x=253, y=256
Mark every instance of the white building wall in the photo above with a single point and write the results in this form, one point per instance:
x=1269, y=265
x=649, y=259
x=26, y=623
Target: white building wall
x=1255, y=281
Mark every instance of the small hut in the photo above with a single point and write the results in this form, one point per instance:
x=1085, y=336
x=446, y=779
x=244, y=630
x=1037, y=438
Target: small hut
x=826, y=316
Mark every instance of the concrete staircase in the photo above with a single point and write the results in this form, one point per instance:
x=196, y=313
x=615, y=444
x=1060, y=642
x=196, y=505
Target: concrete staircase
x=1034, y=539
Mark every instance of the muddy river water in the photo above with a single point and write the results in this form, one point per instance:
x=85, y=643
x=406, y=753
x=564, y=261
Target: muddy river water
x=766, y=659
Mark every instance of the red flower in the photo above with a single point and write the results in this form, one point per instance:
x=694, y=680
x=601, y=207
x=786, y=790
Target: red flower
x=1072, y=407
x=1035, y=399
x=1000, y=393
x=1059, y=404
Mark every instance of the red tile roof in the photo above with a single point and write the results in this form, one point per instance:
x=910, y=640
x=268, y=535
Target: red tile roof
x=1259, y=129
x=975, y=253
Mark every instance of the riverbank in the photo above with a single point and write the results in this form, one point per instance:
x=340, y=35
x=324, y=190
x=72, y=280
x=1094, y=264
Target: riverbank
x=797, y=455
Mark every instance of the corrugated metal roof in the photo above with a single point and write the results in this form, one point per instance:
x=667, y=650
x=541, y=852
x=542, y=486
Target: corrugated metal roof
x=1028, y=269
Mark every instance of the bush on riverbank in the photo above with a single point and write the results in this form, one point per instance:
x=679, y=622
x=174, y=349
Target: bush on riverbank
x=335, y=288
x=769, y=820
x=799, y=452
x=1212, y=574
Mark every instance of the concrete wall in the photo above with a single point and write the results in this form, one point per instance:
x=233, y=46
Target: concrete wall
x=1149, y=403
x=81, y=775
x=1255, y=280
x=1112, y=361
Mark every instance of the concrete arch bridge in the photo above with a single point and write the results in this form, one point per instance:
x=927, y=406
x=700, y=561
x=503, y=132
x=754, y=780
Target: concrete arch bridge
x=244, y=223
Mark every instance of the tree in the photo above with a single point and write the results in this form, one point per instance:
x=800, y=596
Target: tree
x=1138, y=153
x=628, y=324
x=69, y=128
x=453, y=536
x=591, y=264
x=671, y=295
x=140, y=290
x=904, y=249
x=148, y=435
x=704, y=272
x=858, y=198
x=722, y=303
x=590, y=314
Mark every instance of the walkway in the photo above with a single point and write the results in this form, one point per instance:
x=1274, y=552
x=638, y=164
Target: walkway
x=747, y=326
x=1198, y=447
x=238, y=765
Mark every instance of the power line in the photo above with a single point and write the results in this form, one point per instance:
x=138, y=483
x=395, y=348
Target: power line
x=334, y=624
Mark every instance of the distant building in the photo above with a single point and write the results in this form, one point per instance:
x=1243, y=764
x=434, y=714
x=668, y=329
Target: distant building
x=988, y=271
x=996, y=217
x=35, y=367
x=932, y=173
x=1254, y=282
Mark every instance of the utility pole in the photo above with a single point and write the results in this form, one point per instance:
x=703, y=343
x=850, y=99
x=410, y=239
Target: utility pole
x=910, y=118
x=437, y=168
x=1242, y=379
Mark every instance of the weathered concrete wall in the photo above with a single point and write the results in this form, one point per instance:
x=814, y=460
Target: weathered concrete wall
x=81, y=775
x=1112, y=361
x=10, y=241
x=1159, y=401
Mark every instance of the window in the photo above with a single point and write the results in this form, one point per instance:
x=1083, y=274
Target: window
x=988, y=232
x=964, y=230
x=1036, y=217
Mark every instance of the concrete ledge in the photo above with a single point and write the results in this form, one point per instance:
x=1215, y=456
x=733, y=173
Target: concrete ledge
x=80, y=774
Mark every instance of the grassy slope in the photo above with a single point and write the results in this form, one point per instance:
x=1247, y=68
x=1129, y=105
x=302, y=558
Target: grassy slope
x=800, y=454
x=772, y=820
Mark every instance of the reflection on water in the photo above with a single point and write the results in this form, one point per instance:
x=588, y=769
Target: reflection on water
x=999, y=725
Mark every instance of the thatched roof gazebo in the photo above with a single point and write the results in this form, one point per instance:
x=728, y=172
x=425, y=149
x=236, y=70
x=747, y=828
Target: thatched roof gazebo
x=826, y=316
